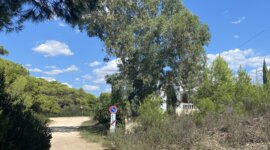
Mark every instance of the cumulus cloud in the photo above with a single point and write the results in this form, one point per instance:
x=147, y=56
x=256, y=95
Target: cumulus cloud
x=77, y=79
x=51, y=67
x=94, y=64
x=107, y=69
x=67, y=84
x=50, y=79
x=72, y=68
x=239, y=20
x=91, y=87
x=249, y=59
x=53, y=48
x=28, y=65
x=35, y=70
x=87, y=77
x=246, y=58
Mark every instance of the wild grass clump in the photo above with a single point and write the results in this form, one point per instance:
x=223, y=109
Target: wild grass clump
x=173, y=134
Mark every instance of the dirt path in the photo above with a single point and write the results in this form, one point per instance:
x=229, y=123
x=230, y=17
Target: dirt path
x=70, y=140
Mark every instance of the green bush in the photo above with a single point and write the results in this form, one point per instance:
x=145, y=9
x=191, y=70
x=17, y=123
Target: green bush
x=20, y=130
x=150, y=113
x=102, y=114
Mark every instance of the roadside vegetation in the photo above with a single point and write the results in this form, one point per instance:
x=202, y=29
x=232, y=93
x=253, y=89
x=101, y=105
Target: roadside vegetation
x=27, y=102
x=159, y=46
x=233, y=114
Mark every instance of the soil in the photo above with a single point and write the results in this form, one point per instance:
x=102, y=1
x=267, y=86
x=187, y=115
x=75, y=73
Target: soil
x=71, y=140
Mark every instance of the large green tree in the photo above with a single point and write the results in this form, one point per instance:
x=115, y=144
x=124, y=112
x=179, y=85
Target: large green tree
x=217, y=89
x=155, y=40
x=243, y=90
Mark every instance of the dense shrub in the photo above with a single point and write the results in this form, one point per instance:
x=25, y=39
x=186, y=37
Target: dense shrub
x=102, y=114
x=20, y=130
x=150, y=113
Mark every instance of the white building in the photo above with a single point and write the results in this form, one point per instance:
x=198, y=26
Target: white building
x=183, y=105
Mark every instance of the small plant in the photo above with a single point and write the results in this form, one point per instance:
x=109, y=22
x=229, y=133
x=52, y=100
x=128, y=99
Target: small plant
x=150, y=113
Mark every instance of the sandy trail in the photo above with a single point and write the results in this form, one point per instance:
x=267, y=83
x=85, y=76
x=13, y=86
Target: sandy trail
x=70, y=140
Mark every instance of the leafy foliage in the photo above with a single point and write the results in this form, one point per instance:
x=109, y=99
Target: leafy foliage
x=20, y=129
x=150, y=113
x=14, y=13
x=221, y=92
x=217, y=87
x=102, y=113
x=149, y=36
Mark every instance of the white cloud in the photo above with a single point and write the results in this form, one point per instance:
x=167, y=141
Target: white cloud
x=90, y=87
x=100, y=79
x=35, y=70
x=72, y=68
x=28, y=65
x=237, y=57
x=239, y=20
x=53, y=48
x=248, y=59
x=236, y=36
x=67, y=84
x=77, y=79
x=51, y=67
x=50, y=79
x=61, y=24
x=94, y=64
x=107, y=69
x=87, y=77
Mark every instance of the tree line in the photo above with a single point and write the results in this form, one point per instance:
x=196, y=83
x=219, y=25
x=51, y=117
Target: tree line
x=222, y=91
x=40, y=95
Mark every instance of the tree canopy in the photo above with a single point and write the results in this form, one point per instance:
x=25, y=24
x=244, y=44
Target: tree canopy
x=158, y=43
x=15, y=12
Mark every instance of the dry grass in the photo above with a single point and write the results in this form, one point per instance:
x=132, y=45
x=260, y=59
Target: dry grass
x=217, y=131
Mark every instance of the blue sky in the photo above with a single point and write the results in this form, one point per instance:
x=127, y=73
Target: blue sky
x=52, y=50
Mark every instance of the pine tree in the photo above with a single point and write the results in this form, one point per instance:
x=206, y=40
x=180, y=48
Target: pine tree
x=13, y=13
x=265, y=72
